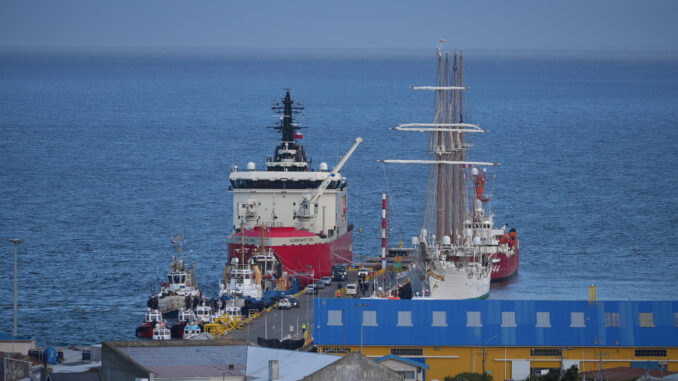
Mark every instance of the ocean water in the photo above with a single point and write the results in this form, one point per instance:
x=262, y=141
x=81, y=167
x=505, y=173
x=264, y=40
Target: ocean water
x=105, y=155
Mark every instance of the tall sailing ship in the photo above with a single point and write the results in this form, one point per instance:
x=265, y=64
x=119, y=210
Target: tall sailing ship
x=301, y=212
x=458, y=243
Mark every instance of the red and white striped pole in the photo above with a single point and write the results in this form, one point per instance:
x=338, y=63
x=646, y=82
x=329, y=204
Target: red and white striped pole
x=384, y=243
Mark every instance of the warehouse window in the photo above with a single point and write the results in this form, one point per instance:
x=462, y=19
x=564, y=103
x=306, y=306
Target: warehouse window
x=337, y=350
x=543, y=319
x=404, y=318
x=370, y=318
x=645, y=319
x=577, y=320
x=473, y=319
x=546, y=352
x=439, y=319
x=650, y=352
x=407, y=351
x=508, y=319
x=612, y=319
x=334, y=317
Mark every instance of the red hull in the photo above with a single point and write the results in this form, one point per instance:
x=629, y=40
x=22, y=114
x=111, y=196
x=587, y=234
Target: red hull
x=307, y=259
x=507, y=266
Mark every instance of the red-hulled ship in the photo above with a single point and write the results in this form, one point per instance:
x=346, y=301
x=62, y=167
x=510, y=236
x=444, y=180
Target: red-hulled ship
x=298, y=212
x=501, y=246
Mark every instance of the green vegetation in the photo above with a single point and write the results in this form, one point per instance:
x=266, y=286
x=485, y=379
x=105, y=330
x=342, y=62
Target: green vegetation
x=571, y=374
x=469, y=376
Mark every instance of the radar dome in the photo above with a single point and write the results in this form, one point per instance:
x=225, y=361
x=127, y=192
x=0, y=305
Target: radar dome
x=476, y=241
x=251, y=166
x=323, y=167
x=447, y=240
x=415, y=241
x=474, y=171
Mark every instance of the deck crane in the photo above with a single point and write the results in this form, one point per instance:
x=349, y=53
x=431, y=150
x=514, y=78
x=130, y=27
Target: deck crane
x=304, y=213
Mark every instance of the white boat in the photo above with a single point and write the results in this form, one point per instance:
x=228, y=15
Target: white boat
x=161, y=331
x=203, y=313
x=186, y=314
x=191, y=330
x=181, y=284
x=454, y=266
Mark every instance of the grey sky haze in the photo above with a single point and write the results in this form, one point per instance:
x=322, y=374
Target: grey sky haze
x=395, y=24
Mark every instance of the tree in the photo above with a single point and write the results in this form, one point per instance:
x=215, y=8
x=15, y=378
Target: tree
x=469, y=376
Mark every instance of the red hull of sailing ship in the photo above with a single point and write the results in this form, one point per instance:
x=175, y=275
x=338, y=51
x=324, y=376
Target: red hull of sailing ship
x=507, y=266
x=320, y=254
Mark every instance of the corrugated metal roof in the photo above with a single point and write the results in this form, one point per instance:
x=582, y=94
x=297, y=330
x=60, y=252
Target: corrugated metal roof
x=191, y=361
x=215, y=361
x=526, y=323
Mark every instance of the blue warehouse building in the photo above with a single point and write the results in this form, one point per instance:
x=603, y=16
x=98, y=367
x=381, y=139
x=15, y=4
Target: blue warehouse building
x=509, y=338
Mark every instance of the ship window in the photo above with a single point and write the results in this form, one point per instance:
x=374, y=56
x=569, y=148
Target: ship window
x=439, y=319
x=334, y=318
x=508, y=319
x=543, y=319
x=645, y=319
x=404, y=318
x=370, y=318
x=612, y=319
x=183, y=279
x=473, y=319
x=577, y=320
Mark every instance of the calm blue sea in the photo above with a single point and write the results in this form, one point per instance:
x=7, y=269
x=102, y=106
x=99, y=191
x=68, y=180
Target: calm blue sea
x=105, y=155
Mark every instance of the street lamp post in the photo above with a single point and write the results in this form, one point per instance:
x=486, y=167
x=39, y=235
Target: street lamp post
x=16, y=243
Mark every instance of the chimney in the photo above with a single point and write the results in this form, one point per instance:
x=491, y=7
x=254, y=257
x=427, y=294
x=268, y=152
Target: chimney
x=273, y=373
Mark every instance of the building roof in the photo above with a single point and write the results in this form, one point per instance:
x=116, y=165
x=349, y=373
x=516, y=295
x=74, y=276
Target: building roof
x=405, y=360
x=354, y=366
x=190, y=361
x=171, y=359
x=429, y=322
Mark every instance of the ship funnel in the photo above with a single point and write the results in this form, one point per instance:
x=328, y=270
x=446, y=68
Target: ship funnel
x=251, y=166
x=447, y=240
x=323, y=167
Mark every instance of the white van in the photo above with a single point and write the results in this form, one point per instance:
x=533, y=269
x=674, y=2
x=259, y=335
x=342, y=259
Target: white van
x=351, y=289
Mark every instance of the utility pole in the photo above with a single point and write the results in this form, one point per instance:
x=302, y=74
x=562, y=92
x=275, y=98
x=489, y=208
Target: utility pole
x=16, y=243
x=600, y=365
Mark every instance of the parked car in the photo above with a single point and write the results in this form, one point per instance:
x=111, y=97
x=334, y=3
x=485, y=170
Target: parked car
x=340, y=275
x=351, y=289
x=319, y=284
x=284, y=304
x=363, y=272
x=327, y=280
x=310, y=289
x=293, y=301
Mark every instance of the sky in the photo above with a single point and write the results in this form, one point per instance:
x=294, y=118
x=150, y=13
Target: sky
x=615, y=25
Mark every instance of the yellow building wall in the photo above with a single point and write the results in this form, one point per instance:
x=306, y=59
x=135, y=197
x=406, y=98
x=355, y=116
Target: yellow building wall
x=450, y=361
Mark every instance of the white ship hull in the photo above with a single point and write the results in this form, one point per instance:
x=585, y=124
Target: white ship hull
x=452, y=281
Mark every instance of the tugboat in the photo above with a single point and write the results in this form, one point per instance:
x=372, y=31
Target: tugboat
x=151, y=319
x=461, y=249
x=181, y=286
x=304, y=212
x=161, y=332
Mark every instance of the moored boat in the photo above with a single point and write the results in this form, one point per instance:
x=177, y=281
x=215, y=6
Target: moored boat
x=458, y=244
x=303, y=213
